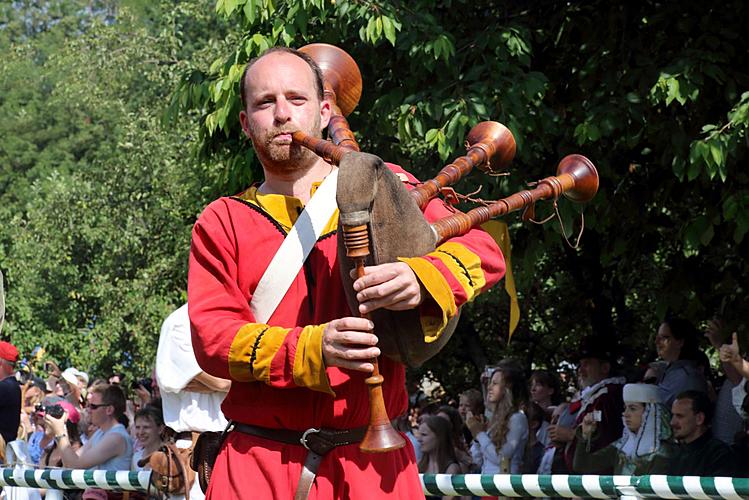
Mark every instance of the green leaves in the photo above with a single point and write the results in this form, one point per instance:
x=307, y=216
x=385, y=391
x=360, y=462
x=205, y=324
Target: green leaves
x=736, y=209
x=676, y=87
x=655, y=104
x=378, y=26
x=99, y=198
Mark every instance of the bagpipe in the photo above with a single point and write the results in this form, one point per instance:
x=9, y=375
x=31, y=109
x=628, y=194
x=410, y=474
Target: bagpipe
x=381, y=220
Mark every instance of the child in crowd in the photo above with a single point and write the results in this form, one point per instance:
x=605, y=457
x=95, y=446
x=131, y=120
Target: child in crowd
x=149, y=429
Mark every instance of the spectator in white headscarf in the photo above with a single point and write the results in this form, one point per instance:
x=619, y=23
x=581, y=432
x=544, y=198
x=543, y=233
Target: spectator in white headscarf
x=645, y=446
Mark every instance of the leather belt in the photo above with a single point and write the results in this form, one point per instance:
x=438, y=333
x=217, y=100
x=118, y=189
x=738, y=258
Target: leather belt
x=317, y=441
x=320, y=441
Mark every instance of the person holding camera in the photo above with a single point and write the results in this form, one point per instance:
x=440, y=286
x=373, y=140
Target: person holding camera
x=110, y=447
x=52, y=455
x=38, y=440
x=645, y=446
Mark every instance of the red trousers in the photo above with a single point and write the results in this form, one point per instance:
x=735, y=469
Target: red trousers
x=252, y=467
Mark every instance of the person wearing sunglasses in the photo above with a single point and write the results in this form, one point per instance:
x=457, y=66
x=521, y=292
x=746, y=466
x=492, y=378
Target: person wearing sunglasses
x=110, y=447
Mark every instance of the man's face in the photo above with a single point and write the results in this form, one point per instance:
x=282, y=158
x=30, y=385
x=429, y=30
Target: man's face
x=540, y=393
x=592, y=371
x=6, y=368
x=667, y=347
x=685, y=424
x=98, y=413
x=281, y=98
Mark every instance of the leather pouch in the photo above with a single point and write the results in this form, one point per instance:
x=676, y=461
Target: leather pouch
x=204, y=456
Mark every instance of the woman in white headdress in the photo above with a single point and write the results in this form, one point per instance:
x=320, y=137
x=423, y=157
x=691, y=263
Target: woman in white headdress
x=645, y=445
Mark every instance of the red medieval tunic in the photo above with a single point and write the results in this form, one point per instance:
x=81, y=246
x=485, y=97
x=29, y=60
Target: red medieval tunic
x=279, y=378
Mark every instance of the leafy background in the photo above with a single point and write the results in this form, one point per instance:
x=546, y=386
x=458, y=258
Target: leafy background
x=118, y=123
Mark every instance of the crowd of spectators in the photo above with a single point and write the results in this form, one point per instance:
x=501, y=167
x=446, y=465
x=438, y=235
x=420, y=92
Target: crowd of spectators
x=66, y=420
x=675, y=417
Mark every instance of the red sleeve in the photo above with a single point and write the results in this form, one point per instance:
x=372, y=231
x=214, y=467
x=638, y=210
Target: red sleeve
x=228, y=343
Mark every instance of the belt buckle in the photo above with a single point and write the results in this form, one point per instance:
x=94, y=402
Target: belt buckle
x=306, y=433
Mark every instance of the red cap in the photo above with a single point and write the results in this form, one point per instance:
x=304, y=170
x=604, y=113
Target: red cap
x=73, y=414
x=8, y=351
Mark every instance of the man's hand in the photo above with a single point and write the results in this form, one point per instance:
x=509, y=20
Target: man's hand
x=475, y=423
x=712, y=332
x=56, y=425
x=204, y=383
x=729, y=353
x=588, y=425
x=391, y=286
x=143, y=395
x=560, y=434
x=350, y=343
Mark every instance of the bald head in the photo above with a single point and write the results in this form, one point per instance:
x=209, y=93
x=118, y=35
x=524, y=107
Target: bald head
x=313, y=67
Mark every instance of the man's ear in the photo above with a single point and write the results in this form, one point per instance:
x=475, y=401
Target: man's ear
x=699, y=418
x=244, y=121
x=325, y=113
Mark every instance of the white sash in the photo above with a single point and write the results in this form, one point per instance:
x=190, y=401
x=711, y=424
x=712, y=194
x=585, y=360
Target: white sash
x=292, y=253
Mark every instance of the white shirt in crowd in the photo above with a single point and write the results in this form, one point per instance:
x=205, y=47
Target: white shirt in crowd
x=176, y=366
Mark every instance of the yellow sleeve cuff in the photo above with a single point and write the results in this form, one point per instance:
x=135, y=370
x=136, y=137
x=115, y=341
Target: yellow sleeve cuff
x=309, y=365
x=252, y=351
x=433, y=319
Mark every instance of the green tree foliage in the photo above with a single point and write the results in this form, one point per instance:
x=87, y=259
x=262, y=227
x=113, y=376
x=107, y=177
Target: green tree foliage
x=98, y=197
x=654, y=93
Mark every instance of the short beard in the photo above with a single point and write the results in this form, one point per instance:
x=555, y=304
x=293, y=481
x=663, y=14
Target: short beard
x=285, y=158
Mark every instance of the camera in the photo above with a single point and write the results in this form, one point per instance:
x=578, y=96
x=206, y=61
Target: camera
x=144, y=383
x=55, y=411
x=486, y=375
x=597, y=417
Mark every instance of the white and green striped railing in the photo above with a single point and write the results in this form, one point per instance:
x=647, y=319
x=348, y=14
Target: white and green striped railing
x=588, y=486
x=67, y=479
x=506, y=485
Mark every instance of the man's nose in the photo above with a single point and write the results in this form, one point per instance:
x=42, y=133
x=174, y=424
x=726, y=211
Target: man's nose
x=282, y=111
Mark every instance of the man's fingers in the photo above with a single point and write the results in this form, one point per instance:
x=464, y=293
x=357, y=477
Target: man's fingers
x=357, y=365
x=380, y=290
x=359, y=359
x=375, y=275
x=735, y=340
x=393, y=303
x=349, y=354
x=349, y=337
x=352, y=324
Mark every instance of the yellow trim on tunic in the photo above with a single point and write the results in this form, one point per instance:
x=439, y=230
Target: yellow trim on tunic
x=309, y=366
x=285, y=209
x=261, y=340
x=472, y=282
x=439, y=289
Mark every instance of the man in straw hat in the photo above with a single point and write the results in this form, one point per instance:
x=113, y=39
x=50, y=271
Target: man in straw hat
x=302, y=367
